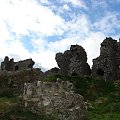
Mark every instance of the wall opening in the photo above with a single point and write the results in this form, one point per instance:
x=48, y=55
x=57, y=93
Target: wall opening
x=118, y=66
x=100, y=72
x=16, y=68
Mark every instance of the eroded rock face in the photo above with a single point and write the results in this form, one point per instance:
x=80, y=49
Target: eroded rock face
x=78, y=63
x=53, y=71
x=10, y=65
x=107, y=65
x=73, y=61
x=57, y=99
x=12, y=82
x=63, y=61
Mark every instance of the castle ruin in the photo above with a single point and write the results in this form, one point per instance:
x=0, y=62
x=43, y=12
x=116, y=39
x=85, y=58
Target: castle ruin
x=107, y=65
x=10, y=65
x=73, y=62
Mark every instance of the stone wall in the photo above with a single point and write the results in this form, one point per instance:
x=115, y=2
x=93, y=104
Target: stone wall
x=56, y=99
x=12, y=82
x=107, y=65
x=53, y=71
x=73, y=61
x=10, y=65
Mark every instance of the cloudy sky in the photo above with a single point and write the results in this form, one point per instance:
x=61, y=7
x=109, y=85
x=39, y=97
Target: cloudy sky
x=38, y=29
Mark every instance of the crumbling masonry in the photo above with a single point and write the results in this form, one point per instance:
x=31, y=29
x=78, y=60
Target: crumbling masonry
x=54, y=98
x=10, y=65
x=107, y=65
x=73, y=62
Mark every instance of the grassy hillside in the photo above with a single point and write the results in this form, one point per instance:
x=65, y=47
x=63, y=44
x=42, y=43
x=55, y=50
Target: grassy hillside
x=12, y=109
x=102, y=99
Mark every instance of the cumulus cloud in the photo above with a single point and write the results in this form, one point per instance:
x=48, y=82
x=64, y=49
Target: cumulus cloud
x=79, y=3
x=22, y=18
x=45, y=59
x=38, y=19
x=92, y=45
x=66, y=7
x=108, y=23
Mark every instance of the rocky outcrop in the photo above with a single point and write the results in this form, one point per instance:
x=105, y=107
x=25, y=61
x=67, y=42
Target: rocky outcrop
x=56, y=99
x=107, y=65
x=78, y=62
x=73, y=61
x=53, y=71
x=10, y=65
x=12, y=82
x=63, y=61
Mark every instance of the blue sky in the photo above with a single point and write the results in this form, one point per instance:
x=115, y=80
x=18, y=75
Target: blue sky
x=38, y=29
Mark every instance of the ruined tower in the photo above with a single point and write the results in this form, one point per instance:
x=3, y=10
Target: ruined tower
x=73, y=61
x=107, y=65
x=10, y=65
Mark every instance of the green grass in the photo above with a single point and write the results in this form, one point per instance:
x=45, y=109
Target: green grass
x=13, y=108
x=106, y=116
x=23, y=114
x=103, y=97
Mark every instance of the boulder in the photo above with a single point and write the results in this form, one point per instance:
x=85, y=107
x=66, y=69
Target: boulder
x=57, y=99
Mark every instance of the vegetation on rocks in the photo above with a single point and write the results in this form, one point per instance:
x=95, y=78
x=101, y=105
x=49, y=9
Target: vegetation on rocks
x=11, y=108
x=102, y=99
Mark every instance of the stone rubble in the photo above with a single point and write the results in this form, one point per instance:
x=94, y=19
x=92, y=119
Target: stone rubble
x=57, y=99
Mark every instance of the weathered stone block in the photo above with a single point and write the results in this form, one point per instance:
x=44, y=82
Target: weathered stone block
x=57, y=99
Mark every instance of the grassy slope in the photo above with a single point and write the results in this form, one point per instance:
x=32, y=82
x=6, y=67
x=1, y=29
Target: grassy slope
x=103, y=100
x=11, y=109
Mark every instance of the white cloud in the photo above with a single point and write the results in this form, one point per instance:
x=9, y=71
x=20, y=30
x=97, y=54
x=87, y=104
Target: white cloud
x=17, y=48
x=43, y=54
x=66, y=7
x=27, y=15
x=46, y=59
x=108, y=23
x=46, y=50
x=23, y=17
x=13, y=48
x=63, y=44
x=43, y=1
x=40, y=44
x=4, y=33
x=79, y=24
x=92, y=45
x=77, y=3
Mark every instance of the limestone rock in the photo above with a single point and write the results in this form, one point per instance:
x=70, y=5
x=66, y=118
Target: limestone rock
x=57, y=99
